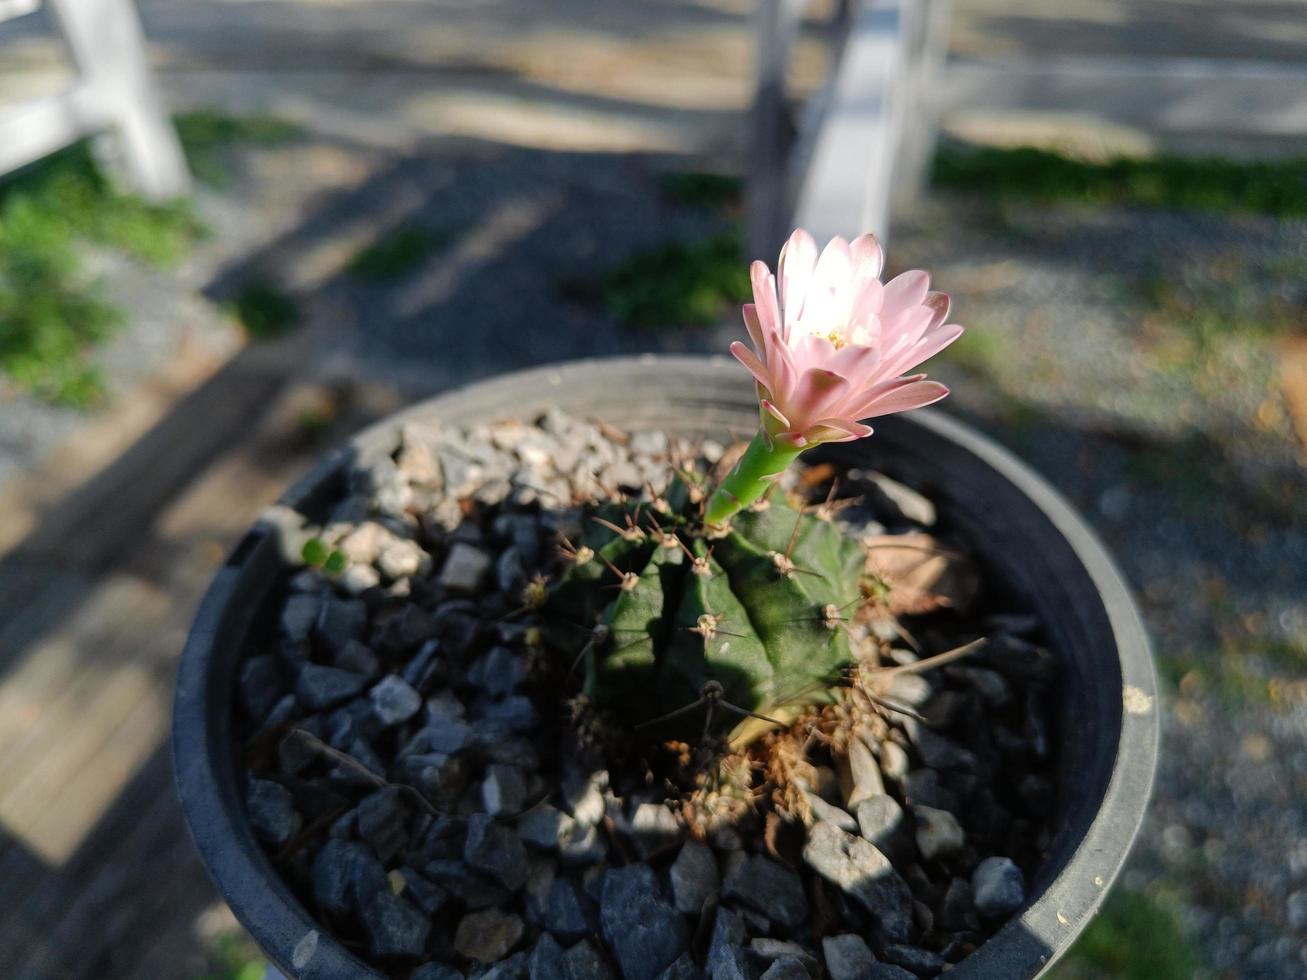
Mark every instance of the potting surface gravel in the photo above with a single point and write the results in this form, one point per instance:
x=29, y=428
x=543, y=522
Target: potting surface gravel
x=414, y=775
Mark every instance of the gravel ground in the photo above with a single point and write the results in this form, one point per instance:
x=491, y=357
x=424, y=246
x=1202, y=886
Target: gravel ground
x=167, y=315
x=1182, y=455
x=1173, y=438
x=521, y=225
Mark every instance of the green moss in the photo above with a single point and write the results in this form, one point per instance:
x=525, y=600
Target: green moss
x=207, y=135
x=1284, y=654
x=396, y=253
x=1193, y=470
x=1135, y=936
x=674, y=286
x=1292, y=267
x=1273, y=187
x=1199, y=324
x=702, y=188
x=1190, y=468
x=1240, y=686
x=315, y=423
x=1172, y=668
x=977, y=350
x=264, y=310
x=1229, y=678
x=51, y=314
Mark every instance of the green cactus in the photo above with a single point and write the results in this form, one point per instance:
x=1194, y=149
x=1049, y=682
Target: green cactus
x=664, y=615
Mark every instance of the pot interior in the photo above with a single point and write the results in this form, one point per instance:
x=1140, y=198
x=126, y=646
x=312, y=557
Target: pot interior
x=1030, y=543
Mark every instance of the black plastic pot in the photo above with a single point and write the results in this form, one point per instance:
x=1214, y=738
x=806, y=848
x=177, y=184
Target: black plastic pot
x=1025, y=533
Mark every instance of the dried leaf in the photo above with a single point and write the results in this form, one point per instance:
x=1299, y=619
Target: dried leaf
x=784, y=839
x=921, y=575
x=1293, y=384
x=817, y=474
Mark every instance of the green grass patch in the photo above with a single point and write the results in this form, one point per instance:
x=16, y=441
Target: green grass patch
x=1284, y=654
x=66, y=197
x=1272, y=187
x=674, y=286
x=702, y=188
x=1191, y=468
x=1227, y=677
x=1172, y=669
x=395, y=253
x=235, y=957
x=1135, y=936
x=264, y=310
x=51, y=314
x=207, y=136
x=977, y=350
x=1207, y=312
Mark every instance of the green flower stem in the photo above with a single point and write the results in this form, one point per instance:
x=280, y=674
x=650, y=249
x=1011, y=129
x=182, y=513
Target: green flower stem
x=749, y=480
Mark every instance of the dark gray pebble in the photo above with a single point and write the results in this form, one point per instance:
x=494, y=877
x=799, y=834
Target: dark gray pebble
x=318, y=687
x=494, y=848
x=565, y=912
x=260, y=686
x=998, y=887
x=394, y=701
x=644, y=931
x=393, y=926
x=771, y=888
x=271, y=809
x=914, y=959
x=863, y=873
x=583, y=962
x=382, y=819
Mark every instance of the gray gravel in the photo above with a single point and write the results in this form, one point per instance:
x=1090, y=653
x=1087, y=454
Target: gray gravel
x=1185, y=461
x=496, y=837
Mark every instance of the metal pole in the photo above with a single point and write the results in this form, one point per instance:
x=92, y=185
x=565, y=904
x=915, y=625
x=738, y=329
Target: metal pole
x=767, y=188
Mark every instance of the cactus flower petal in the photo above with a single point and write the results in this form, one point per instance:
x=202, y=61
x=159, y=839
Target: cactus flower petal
x=751, y=361
x=776, y=414
x=831, y=347
x=841, y=430
x=831, y=342
x=916, y=395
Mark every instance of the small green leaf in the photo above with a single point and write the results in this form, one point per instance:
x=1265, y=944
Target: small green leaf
x=336, y=562
x=314, y=553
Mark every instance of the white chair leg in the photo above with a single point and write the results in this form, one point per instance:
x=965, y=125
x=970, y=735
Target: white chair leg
x=106, y=42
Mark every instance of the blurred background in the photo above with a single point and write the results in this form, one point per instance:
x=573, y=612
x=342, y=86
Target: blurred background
x=311, y=212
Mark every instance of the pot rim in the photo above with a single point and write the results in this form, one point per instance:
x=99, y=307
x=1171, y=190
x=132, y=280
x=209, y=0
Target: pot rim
x=208, y=785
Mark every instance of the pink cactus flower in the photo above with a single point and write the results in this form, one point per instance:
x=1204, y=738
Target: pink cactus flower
x=831, y=346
